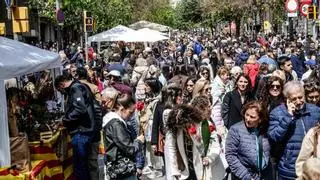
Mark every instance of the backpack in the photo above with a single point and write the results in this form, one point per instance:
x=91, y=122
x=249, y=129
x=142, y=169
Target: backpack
x=96, y=109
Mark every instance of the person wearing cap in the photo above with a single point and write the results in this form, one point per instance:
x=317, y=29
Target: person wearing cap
x=310, y=64
x=115, y=81
x=115, y=64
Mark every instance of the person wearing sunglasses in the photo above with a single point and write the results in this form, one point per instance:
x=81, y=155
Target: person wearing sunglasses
x=204, y=73
x=273, y=93
x=272, y=97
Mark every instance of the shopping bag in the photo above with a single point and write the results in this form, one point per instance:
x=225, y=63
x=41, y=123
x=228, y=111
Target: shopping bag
x=20, y=154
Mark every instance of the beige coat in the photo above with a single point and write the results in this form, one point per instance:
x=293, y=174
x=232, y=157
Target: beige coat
x=306, y=151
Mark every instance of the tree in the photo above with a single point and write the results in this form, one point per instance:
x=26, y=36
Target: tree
x=158, y=11
x=112, y=13
x=188, y=14
x=227, y=10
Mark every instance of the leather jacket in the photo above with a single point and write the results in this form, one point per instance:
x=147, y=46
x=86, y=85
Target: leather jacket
x=118, y=141
x=79, y=116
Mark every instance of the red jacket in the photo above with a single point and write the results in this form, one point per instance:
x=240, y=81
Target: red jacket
x=252, y=70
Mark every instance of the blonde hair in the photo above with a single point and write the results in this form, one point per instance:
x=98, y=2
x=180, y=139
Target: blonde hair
x=222, y=71
x=199, y=86
x=252, y=59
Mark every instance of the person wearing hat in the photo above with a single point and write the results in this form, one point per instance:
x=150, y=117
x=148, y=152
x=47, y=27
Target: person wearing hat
x=310, y=64
x=114, y=78
x=115, y=64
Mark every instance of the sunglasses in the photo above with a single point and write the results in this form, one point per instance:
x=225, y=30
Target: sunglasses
x=204, y=73
x=275, y=86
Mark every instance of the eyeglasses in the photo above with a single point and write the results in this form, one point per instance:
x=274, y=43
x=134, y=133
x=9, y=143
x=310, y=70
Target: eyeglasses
x=190, y=85
x=204, y=73
x=275, y=86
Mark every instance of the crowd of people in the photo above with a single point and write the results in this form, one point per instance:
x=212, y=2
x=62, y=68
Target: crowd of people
x=196, y=106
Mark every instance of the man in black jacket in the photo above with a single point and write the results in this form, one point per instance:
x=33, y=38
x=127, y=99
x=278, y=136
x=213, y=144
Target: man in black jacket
x=79, y=121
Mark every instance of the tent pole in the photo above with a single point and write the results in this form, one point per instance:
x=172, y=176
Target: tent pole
x=5, y=159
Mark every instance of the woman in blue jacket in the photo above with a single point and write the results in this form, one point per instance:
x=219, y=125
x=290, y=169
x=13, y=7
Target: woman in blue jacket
x=247, y=145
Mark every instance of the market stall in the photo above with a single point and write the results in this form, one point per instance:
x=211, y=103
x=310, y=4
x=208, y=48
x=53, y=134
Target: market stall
x=110, y=35
x=150, y=31
x=142, y=36
x=18, y=59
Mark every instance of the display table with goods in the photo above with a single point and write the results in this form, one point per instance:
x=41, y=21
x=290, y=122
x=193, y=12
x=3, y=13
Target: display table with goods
x=39, y=145
x=50, y=158
x=32, y=144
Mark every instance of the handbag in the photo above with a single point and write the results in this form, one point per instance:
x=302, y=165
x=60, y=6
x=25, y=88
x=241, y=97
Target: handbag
x=121, y=168
x=161, y=137
x=160, y=145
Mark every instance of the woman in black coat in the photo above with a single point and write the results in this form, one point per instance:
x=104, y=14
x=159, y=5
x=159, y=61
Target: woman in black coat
x=234, y=100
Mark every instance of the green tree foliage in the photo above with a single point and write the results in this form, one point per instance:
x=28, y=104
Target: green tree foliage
x=188, y=14
x=46, y=8
x=158, y=11
x=108, y=13
x=111, y=13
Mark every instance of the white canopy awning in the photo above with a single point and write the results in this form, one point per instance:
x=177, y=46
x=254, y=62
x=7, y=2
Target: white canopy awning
x=142, y=36
x=110, y=35
x=150, y=25
x=16, y=59
x=151, y=31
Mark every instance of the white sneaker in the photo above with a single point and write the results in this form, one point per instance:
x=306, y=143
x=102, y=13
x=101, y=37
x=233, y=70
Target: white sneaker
x=146, y=170
x=154, y=174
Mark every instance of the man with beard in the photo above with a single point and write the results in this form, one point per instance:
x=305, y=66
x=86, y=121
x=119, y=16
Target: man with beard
x=79, y=121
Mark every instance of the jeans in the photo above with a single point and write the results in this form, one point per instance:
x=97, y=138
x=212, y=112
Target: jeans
x=80, y=144
x=93, y=160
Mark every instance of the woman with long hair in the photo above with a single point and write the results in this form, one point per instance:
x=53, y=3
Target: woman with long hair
x=188, y=89
x=171, y=96
x=152, y=90
x=178, y=142
x=234, y=100
x=273, y=93
x=202, y=87
x=204, y=73
x=213, y=168
x=247, y=144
